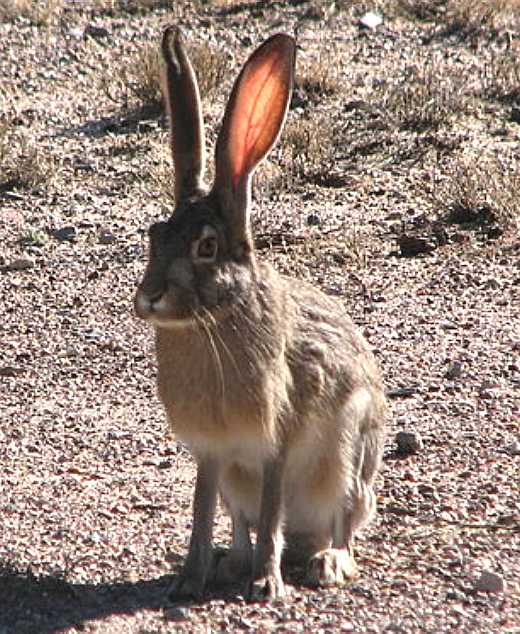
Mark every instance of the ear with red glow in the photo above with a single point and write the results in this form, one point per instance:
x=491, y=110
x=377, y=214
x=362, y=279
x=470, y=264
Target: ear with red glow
x=253, y=120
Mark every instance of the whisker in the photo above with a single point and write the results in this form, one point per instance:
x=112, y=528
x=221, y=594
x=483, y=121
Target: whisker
x=217, y=334
x=215, y=356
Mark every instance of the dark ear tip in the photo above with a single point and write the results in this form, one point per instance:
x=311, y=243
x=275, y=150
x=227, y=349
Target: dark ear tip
x=283, y=41
x=172, y=38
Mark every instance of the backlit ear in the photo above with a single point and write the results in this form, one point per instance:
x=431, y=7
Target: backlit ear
x=256, y=109
x=253, y=120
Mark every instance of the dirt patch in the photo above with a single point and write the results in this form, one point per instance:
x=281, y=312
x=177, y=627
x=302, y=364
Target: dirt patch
x=393, y=188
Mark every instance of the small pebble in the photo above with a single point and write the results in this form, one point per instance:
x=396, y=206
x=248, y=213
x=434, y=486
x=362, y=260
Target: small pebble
x=408, y=442
x=9, y=370
x=459, y=611
x=371, y=20
x=454, y=370
x=401, y=392
x=313, y=219
x=490, y=581
x=96, y=31
x=514, y=448
x=487, y=394
x=106, y=237
x=411, y=246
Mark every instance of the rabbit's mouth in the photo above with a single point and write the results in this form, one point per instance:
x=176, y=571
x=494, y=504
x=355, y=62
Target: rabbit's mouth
x=163, y=311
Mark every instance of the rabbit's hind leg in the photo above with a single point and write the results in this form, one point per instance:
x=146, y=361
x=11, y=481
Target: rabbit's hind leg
x=336, y=565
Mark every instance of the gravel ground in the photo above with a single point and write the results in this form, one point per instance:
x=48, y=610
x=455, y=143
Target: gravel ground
x=95, y=497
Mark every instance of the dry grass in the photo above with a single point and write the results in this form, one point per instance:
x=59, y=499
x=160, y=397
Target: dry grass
x=466, y=17
x=422, y=9
x=44, y=12
x=211, y=65
x=318, y=78
x=138, y=81
x=307, y=150
x=22, y=164
x=159, y=178
x=142, y=76
x=470, y=16
x=422, y=98
x=482, y=193
x=502, y=75
x=38, y=12
x=114, y=7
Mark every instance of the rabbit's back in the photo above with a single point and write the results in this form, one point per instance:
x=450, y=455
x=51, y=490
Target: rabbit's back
x=334, y=417
x=328, y=356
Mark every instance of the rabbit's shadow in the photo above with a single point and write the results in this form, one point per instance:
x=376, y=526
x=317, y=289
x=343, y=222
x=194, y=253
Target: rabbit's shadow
x=48, y=604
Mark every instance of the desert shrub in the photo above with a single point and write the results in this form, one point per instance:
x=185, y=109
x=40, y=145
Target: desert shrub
x=422, y=98
x=22, y=164
x=483, y=193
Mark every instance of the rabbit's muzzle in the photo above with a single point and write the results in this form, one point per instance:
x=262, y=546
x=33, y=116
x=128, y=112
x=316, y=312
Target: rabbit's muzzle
x=165, y=304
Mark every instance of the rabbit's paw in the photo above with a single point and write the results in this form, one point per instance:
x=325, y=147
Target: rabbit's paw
x=267, y=588
x=330, y=567
x=232, y=566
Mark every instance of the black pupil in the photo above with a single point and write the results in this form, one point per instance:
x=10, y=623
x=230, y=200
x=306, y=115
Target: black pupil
x=207, y=248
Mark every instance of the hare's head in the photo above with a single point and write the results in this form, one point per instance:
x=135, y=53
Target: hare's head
x=202, y=257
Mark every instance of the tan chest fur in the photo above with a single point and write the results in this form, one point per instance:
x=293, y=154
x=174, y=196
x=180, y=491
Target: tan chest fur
x=218, y=396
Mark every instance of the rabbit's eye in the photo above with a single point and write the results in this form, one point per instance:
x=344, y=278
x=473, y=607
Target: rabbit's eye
x=207, y=248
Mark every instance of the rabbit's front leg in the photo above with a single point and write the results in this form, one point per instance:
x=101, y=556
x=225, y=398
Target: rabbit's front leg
x=267, y=580
x=193, y=578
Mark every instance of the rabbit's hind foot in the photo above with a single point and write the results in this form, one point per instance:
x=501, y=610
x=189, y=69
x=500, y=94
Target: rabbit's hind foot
x=331, y=567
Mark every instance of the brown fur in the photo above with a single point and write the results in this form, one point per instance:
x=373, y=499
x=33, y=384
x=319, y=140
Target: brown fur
x=266, y=380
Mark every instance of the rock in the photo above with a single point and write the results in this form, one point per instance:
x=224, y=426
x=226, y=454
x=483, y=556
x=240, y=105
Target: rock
x=313, y=219
x=454, y=370
x=490, y=581
x=411, y=246
x=20, y=264
x=96, y=31
x=76, y=33
x=408, y=442
x=401, y=392
x=370, y=20
x=65, y=234
x=105, y=236
x=459, y=611
x=299, y=98
x=9, y=370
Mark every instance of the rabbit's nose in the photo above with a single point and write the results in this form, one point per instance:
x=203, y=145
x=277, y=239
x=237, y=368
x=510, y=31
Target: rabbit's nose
x=154, y=297
x=144, y=303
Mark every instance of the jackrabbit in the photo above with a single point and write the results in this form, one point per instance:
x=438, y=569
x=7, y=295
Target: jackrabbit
x=265, y=379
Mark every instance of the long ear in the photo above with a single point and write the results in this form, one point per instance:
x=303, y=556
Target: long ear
x=252, y=122
x=186, y=124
